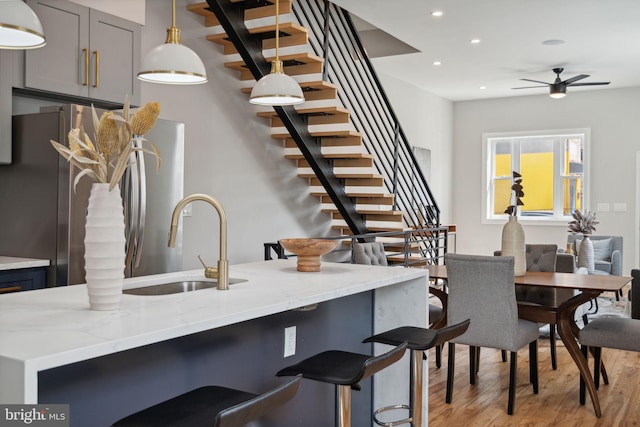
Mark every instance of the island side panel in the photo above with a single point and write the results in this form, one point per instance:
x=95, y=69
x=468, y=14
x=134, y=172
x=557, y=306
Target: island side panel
x=245, y=356
x=19, y=382
x=404, y=304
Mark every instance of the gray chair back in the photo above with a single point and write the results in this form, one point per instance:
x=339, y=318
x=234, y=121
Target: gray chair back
x=481, y=288
x=541, y=257
x=371, y=253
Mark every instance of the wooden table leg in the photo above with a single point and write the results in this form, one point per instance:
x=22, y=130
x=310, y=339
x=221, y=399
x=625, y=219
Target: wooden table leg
x=568, y=331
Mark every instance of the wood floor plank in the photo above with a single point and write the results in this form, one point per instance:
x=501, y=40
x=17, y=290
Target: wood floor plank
x=557, y=403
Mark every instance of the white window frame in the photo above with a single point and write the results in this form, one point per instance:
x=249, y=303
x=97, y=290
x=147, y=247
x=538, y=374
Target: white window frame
x=488, y=217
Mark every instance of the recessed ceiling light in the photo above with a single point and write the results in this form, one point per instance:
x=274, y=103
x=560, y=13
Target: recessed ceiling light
x=437, y=13
x=553, y=42
x=483, y=87
x=474, y=41
x=437, y=63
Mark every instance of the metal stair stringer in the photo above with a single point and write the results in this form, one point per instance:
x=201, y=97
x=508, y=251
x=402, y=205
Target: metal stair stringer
x=231, y=17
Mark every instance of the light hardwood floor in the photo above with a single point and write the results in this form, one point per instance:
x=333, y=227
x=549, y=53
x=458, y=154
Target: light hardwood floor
x=556, y=404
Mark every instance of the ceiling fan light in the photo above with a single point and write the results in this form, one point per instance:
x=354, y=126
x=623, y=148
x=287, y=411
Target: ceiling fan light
x=20, y=27
x=276, y=89
x=557, y=91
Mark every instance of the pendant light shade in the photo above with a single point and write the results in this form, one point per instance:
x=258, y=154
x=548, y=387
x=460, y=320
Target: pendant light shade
x=172, y=62
x=20, y=27
x=276, y=88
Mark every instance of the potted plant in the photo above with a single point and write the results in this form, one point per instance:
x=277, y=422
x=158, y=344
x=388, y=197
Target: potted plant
x=584, y=223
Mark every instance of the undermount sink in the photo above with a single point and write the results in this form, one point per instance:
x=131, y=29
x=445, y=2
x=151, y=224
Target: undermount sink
x=178, y=287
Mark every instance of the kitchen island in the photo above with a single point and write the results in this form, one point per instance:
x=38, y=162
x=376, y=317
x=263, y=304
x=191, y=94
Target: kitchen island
x=53, y=349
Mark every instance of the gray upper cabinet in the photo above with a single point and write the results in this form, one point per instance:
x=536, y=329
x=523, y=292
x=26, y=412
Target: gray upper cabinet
x=89, y=54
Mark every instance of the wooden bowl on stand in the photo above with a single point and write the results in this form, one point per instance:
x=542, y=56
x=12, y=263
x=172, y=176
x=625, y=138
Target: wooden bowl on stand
x=309, y=251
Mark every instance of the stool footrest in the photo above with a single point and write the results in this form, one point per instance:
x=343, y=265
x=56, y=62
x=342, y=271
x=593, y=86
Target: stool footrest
x=392, y=423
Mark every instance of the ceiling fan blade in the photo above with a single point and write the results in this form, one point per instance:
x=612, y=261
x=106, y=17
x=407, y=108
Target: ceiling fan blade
x=529, y=87
x=575, y=79
x=535, y=81
x=590, y=84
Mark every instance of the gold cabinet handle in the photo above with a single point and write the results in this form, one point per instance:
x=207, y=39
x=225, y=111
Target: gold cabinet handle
x=86, y=67
x=10, y=289
x=97, y=74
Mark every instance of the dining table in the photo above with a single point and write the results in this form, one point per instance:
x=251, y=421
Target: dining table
x=587, y=287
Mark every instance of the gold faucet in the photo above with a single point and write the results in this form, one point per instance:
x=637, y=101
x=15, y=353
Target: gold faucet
x=222, y=272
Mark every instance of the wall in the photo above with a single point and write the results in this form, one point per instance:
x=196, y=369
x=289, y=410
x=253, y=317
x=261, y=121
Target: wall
x=612, y=117
x=427, y=121
x=133, y=10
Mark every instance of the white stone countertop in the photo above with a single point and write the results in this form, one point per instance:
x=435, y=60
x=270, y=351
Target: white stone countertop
x=13, y=263
x=52, y=327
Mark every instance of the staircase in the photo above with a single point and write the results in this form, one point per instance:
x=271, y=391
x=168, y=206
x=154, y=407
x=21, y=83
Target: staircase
x=345, y=139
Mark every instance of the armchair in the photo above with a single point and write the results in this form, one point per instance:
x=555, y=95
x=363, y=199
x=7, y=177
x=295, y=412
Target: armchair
x=607, y=252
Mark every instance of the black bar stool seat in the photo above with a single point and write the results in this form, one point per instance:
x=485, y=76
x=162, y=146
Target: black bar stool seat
x=418, y=341
x=211, y=406
x=345, y=370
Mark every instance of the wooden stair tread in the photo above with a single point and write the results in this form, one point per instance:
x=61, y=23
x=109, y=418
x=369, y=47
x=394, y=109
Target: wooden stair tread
x=309, y=111
x=301, y=58
x=291, y=34
x=252, y=13
x=335, y=134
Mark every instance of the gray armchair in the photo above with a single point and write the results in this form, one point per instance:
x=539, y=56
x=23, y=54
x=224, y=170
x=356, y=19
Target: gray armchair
x=607, y=252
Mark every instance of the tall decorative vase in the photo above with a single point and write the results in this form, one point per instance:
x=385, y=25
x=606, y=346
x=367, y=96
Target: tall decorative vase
x=513, y=244
x=585, y=254
x=104, y=248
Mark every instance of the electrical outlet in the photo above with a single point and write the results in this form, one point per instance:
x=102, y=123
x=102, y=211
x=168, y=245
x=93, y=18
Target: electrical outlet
x=620, y=207
x=289, y=341
x=603, y=207
x=187, y=211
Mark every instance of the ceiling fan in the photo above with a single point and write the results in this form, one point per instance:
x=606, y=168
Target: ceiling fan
x=558, y=88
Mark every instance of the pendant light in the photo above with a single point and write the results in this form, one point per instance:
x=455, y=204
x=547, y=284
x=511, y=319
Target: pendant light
x=20, y=27
x=277, y=88
x=172, y=62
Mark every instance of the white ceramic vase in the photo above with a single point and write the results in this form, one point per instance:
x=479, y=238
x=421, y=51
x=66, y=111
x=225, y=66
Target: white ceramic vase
x=585, y=254
x=513, y=244
x=104, y=248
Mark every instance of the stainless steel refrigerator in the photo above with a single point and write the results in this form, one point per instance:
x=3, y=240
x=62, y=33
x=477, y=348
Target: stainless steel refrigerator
x=41, y=216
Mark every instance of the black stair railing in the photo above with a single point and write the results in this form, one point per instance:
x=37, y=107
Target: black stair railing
x=231, y=17
x=346, y=64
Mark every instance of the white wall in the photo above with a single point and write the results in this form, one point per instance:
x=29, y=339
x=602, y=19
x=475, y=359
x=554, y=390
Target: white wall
x=427, y=121
x=612, y=116
x=229, y=154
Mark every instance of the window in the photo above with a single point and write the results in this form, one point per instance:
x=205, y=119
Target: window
x=552, y=165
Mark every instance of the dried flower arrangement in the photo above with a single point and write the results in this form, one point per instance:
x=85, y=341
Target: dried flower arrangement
x=583, y=223
x=115, y=136
x=516, y=194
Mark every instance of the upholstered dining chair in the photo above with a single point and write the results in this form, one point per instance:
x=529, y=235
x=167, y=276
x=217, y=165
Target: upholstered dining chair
x=620, y=333
x=545, y=257
x=481, y=289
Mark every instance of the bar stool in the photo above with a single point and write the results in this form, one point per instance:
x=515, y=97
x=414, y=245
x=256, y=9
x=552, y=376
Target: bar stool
x=212, y=405
x=419, y=340
x=345, y=370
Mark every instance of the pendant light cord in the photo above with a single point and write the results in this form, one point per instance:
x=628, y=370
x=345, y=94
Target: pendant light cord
x=173, y=13
x=277, y=28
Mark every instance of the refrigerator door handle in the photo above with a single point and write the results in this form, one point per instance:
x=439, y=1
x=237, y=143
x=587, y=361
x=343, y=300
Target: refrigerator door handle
x=142, y=200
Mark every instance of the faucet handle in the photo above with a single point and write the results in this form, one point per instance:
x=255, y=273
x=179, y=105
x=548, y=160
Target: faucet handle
x=209, y=272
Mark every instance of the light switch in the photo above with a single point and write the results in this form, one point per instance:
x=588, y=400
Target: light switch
x=603, y=207
x=620, y=207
